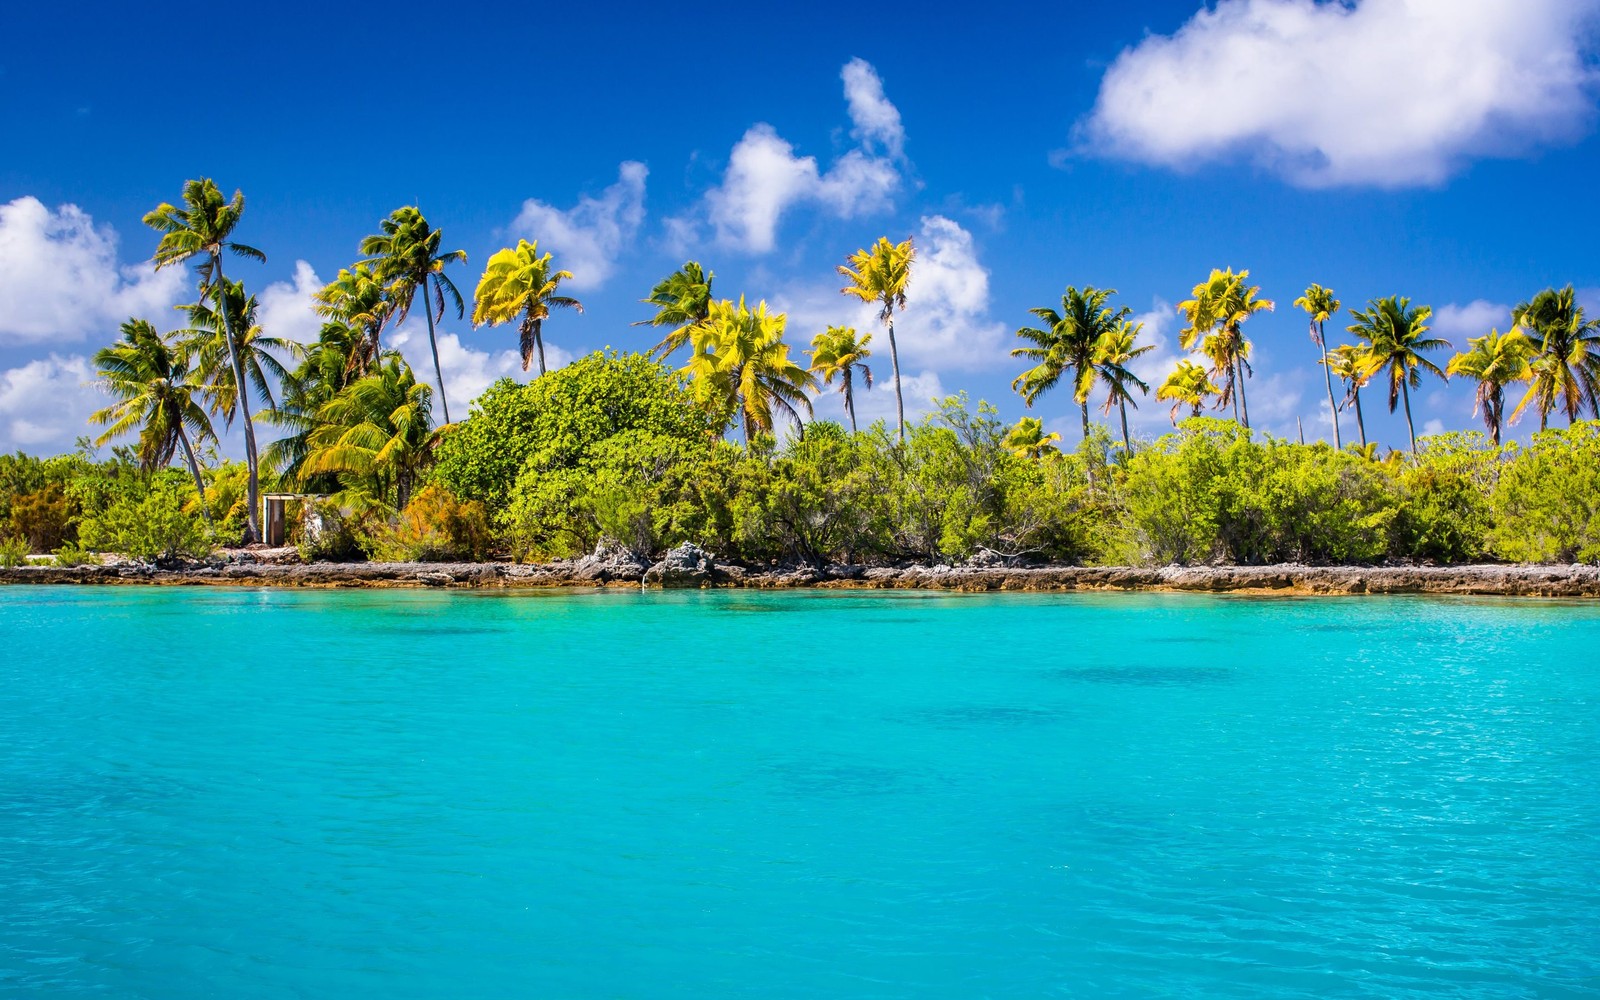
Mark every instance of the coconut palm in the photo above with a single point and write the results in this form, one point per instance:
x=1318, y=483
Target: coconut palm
x=1188, y=385
x=1494, y=361
x=405, y=258
x=1028, y=439
x=1067, y=343
x=356, y=299
x=326, y=368
x=521, y=282
x=377, y=432
x=1567, y=371
x=1347, y=362
x=682, y=299
x=1319, y=304
x=1113, y=353
x=838, y=352
x=207, y=347
x=880, y=275
x=741, y=367
x=1221, y=305
x=200, y=231
x=157, y=392
x=1394, y=331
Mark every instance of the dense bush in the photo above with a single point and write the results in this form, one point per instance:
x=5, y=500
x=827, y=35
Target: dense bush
x=436, y=527
x=153, y=527
x=1544, y=504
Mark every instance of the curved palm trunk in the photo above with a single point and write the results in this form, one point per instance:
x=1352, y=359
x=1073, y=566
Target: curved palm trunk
x=1497, y=402
x=433, y=345
x=194, y=470
x=242, y=391
x=1127, y=445
x=1243, y=405
x=1405, y=394
x=1361, y=425
x=899, y=403
x=1327, y=376
x=849, y=400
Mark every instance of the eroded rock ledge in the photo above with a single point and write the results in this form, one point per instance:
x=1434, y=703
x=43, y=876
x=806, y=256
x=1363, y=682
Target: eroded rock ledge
x=692, y=569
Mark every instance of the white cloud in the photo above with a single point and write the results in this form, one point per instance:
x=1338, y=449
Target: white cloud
x=1431, y=428
x=45, y=405
x=875, y=119
x=588, y=238
x=919, y=391
x=286, y=309
x=765, y=178
x=1456, y=323
x=63, y=281
x=467, y=370
x=1372, y=92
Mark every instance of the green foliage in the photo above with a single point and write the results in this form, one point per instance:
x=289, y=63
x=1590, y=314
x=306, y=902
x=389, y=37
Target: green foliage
x=553, y=423
x=153, y=528
x=1443, y=511
x=436, y=527
x=1544, y=507
x=345, y=527
x=69, y=554
x=14, y=552
x=42, y=518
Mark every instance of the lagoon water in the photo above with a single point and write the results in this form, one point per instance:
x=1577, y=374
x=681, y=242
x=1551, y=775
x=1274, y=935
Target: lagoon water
x=243, y=794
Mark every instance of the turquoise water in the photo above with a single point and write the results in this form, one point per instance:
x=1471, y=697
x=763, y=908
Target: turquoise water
x=241, y=794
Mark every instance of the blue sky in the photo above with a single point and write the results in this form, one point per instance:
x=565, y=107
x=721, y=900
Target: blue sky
x=1422, y=147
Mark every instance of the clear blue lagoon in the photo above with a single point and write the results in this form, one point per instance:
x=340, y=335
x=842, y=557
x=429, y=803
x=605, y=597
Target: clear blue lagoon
x=254, y=794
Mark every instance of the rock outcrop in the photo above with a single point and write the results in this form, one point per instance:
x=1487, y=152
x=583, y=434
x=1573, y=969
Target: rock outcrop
x=610, y=562
x=686, y=566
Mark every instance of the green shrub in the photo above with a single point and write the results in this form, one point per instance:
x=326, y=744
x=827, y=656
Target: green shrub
x=436, y=527
x=43, y=517
x=154, y=528
x=70, y=554
x=14, y=551
x=1546, y=501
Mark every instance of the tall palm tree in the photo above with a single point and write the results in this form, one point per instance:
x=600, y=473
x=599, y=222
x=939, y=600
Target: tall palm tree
x=838, y=352
x=741, y=367
x=1028, y=439
x=1348, y=363
x=1188, y=385
x=201, y=230
x=682, y=299
x=157, y=393
x=880, y=275
x=207, y=346
x=1112, y=354
x=1319, y=304
x=1567, y=371
x=378, y=431
x=521, y=282
x=1067, y=342
x=405, y=258
x=1494, y=360
x=1221, y=305
x=356, y=299
x=1394, y=331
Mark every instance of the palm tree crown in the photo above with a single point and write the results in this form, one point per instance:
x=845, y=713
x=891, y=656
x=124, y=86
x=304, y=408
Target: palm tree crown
x=521, y=282
x=1188, y=385
x=356, y=299
x=880, y=275
x=1394, y=331
x=1067, y=342
x=682, y=299
x=377, y=430
x=839, y=352
x=1567, y=371
x=1113, y=353
x=405, y=258
x=741, y=367
x=1028, y=439
x=1494, y=360
x=1221, y=305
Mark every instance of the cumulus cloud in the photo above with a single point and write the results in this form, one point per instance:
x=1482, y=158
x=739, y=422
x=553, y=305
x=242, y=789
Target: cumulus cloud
x=588, y=238
x=765, y=178
x=1389, y=93
x=63, y=281
x=467, y=370
x=286, y=309
x=1456, y=323
x=45, y=404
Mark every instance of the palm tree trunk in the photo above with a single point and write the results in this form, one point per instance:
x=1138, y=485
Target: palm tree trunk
x=194, y=470
x=1327, y=376
x=433, y=344
x=1243, y=405
x=849, y=400
x=1127, y=445
x=1361, y=425
x=242, y=392
x=899, y=403
x=1405, y=394
x=1496, y=408
x=538, y=340
x=1083, y=407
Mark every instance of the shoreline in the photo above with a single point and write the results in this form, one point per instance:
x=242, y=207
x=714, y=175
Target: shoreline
x=1573, y=581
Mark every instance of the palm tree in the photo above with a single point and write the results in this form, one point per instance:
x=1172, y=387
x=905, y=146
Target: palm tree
x=152, y=380
x=1567, y=371
x=1112, y=355
x=1068, y=341
x=1495, y=360
x=1347, y=361
x=377, y=430
x=326, y=368
x=682, y=299
x=1221, y=304
x=1319, y=304
x=1394, y=331
x=356, y=299
x=1028, y=439
x=1189, y=385
x=838, y=352
x=405, y=259
x=201, y=230
x=880, y=275
x=741, y=367
x=521, y=282
x=206, y=344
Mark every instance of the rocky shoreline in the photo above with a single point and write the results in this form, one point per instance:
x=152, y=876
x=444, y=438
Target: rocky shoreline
x=690, y=567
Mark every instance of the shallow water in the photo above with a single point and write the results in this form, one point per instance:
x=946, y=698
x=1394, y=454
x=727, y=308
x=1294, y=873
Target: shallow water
x=235, y=793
